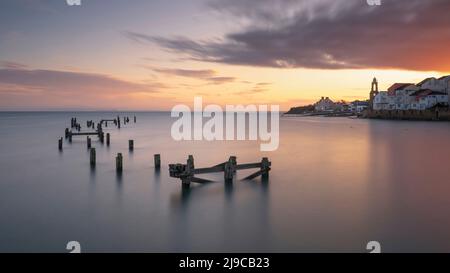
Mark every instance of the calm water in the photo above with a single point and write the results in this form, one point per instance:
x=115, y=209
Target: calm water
x=336, y=183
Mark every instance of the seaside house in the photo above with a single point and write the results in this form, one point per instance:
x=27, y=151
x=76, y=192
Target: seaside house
x=325, y=104
x=358, y=106
x=426, y=98
x=440, y=85
x=405, y=96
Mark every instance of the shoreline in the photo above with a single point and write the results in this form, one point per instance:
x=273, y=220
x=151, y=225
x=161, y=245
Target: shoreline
x=413, y=115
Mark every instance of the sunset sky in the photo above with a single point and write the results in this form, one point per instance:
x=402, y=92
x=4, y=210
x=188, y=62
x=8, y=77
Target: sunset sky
x=153, y=54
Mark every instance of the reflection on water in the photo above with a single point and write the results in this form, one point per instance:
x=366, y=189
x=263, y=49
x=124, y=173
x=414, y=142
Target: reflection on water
x=335, y=184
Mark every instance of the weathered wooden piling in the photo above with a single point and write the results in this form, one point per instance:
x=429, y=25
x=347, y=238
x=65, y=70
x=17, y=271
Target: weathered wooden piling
x=107, y=139
x=190, y=161
x=88, y=141
x=228, y=171
x=93, y=157
x=60, y=144
x=233, y=161
x=70, y=136
x=131, y=145
x=119, y=163
x=99, y=128
x=265, y=168
x=66, y=132
x=157, y=158
x=134, y=119
x=102, y=137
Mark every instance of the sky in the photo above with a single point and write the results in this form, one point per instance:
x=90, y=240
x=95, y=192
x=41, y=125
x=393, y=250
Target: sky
x=154, y=54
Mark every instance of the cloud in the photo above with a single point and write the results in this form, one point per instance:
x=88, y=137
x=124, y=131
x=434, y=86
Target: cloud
x=257, y=88
x=325, y=34
x=220, y=80
x=207, y=75
x=198, y=74
x=52, y=88
x=12, y=65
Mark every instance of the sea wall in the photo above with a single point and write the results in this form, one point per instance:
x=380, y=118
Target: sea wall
x=432, y=114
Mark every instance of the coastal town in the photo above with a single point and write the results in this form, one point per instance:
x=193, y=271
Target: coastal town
x=426, y=100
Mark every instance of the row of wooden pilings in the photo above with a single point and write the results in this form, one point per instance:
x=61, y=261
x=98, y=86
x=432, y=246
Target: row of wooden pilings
x=185, y=172
x=101, y=135
x=119, y=160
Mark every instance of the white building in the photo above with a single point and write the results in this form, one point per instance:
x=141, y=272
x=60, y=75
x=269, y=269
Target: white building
x=358, y=106
x=440, y=85
x=425, y=99
x=405, y=96
x=324, y=104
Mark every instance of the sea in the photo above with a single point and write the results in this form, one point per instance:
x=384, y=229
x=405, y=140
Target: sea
x=335, y=184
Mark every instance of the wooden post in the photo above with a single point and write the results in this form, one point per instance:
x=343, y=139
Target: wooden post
x=60, y=144
x=265, y=167
x=102, y=137
x=106, y=124
x=93, y=157
x=190, y=161
x=88, y=139
x=233, y=161
x=228, y=171
x=118, y=122
x=119, y=163
x=70, y=137
x=157, y=158
x=131, y=145
x=134, y=119
x=66, y=132
x=107, y=139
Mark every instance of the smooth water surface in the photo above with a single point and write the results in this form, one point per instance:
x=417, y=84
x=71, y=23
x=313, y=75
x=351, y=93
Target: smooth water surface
x=335, y=184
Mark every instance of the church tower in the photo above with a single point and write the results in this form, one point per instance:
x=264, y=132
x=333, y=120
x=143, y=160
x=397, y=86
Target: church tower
x=373, y=92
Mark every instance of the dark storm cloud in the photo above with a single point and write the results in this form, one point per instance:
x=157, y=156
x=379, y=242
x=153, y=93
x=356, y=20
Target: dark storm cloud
x=325, y=34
